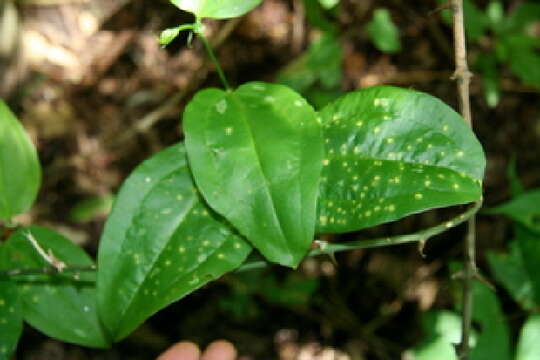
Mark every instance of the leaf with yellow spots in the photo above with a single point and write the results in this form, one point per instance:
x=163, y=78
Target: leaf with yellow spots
x=160, y=243
x=11, y=319
x=20, y=172
x=391, y=152
x=62, y=306
x=256, y=156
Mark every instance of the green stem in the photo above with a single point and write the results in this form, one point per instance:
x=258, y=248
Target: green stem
x=214, y=60
x=420, y=236
x=324, y=248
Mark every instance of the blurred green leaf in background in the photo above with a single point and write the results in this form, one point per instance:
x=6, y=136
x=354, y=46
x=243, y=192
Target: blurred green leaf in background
x=383, y=32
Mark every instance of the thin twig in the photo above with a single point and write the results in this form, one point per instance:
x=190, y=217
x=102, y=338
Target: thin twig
x=462, y=75
x=47, y=256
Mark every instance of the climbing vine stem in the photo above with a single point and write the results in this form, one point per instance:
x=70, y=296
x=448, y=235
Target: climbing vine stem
x=462, y=75
x=321, y=247
x=420, y=237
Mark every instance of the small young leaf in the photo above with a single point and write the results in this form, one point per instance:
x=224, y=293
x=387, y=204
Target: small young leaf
x=328, y=4
x=63, y=305
x=522, y=209
x=510, y=271
x=216, y=9
x=11, y=319
x=160, y=243
x=256, y=157
x=528, y=346
x=391, y=152
x=20, y=172
x=383, y=32
x=168, y=35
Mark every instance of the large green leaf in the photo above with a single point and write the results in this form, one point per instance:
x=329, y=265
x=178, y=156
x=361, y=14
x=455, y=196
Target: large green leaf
x=523, y=209
x=217, y=9
x=509, y=269
x=20, y=172
x=391, y=152
x=256, y=157
x=528, y=346
x=62, y=306
x=11, y=319
x=160, y=243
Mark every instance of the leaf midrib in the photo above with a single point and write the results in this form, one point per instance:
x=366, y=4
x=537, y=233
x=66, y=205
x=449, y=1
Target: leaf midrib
x=244, y=117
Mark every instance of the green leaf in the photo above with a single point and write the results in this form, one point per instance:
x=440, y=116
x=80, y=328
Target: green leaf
x=62, y=306
x=521, y=17
x=256, y=157
x=528, y=346
x=316, y=16
x=91, y=208
x=295, y=290
x=383, y=32
x=487, y=65
x=321, y=63
x=524, y=59
x=510, y=271
x=168, y=35
x=494, y=337
x=20, y=172
x=529, y=243
x=11, y=319
x=476, y=21
x=522, y=209
x=328, y=4
x=516, y=187
x=160, y=243
x=442, y=329
x=217, y=9
x=391, y=152
x=495, y=14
